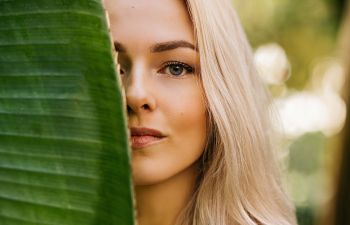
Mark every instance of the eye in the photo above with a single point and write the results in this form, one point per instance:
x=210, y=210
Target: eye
x=175, y=68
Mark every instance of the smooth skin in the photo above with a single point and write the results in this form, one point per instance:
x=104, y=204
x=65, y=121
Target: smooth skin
x=159, y=69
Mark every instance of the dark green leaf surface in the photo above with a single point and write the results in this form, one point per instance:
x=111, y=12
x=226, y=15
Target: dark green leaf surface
x=64, y=156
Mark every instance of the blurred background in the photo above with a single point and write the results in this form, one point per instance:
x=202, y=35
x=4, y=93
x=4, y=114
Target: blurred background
x=301, y=49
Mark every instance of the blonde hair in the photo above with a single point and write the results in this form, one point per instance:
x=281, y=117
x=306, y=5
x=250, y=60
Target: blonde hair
x=239, y=183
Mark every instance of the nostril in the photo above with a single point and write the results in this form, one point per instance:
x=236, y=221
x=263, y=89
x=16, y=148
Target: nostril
x=146, y=106
x=129, y=110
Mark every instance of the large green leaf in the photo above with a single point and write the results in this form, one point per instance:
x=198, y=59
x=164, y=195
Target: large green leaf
x=64, y=155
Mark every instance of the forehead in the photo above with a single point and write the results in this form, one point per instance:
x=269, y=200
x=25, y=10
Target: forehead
x=149, y=20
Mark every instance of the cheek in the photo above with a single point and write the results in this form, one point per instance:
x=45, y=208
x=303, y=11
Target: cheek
x=185, y=112
x=188, y=120
x=184, y=115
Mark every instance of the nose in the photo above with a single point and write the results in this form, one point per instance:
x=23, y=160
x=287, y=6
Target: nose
x=138, y=92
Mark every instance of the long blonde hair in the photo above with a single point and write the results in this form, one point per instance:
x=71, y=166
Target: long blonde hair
x=239, y=182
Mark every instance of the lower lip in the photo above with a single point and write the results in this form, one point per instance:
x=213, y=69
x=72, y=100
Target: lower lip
x=144, y=141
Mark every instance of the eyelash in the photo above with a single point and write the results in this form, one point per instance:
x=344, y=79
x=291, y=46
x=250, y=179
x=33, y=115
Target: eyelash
x=188, y=68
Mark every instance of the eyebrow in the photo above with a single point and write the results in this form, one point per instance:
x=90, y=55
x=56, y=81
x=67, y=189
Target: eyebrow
x=160, y=47
x=170, y=45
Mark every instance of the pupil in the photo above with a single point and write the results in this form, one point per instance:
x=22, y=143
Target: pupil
x=176, y=69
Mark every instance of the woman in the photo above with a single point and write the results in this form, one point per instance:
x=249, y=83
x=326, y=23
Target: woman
x=197, y=115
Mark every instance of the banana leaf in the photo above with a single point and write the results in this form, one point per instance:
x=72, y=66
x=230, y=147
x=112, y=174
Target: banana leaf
x=64, y=152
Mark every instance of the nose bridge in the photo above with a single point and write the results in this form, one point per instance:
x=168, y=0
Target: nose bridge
x=136, y=79
x=137, y=88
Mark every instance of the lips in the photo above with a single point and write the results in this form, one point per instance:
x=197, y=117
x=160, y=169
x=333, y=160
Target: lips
x=142, y=137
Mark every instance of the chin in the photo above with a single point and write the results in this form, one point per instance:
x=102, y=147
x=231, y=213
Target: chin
x=145, y=172
x=142, y=179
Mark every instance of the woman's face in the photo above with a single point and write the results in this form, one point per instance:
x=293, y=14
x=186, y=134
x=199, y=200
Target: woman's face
x=157, y=60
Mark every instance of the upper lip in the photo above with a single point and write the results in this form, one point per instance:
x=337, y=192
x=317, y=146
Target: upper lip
x=143, y=131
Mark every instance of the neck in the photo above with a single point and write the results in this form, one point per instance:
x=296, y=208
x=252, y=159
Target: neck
x=161, y=203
